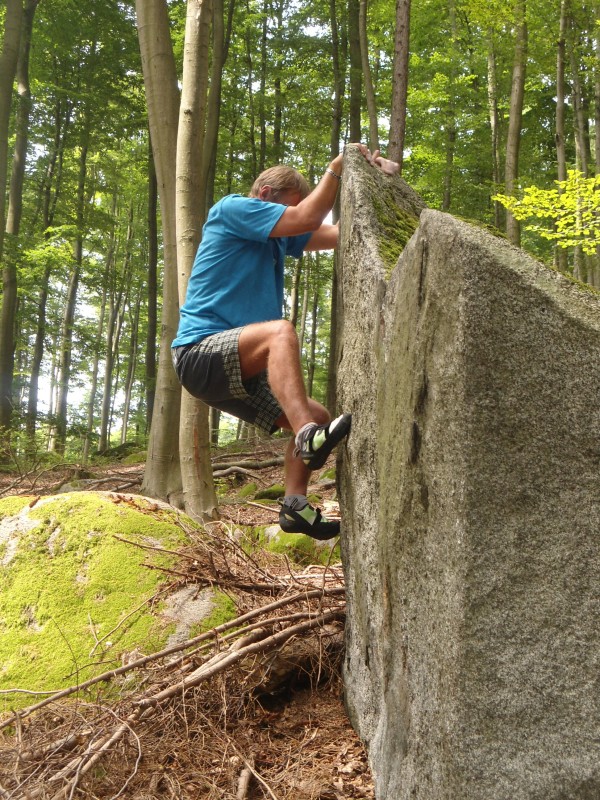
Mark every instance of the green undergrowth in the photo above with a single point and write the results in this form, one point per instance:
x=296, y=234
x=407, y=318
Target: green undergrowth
x=74, y=598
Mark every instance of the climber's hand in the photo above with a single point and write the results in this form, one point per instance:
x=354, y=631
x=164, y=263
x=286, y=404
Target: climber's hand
x=385, y=165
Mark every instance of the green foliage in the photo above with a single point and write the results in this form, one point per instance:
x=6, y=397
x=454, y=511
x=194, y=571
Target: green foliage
x=568, y=215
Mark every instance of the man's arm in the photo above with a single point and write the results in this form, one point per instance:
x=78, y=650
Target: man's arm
x=309, y=214
x=325, y=238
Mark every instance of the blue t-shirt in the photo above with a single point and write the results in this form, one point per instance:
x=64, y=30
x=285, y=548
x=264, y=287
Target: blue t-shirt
x=237, y=277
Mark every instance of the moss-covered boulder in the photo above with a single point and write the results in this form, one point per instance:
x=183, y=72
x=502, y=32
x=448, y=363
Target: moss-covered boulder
x=81, y=586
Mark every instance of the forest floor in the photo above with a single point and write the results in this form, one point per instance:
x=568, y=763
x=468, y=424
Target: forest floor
x=224, y=740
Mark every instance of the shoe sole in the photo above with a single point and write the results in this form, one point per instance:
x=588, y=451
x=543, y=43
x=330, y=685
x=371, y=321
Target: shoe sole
x=322, y=536
x=341, y=430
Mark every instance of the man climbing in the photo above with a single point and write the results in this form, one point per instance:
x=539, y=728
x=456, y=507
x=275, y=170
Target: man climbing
x=233, y=350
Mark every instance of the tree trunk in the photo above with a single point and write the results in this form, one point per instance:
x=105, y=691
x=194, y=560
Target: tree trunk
x=310, y=372
x=66, y=341
x=494, y=117
x=399, y=82
x=450, y=115
x=152, y=290
x=94, y=376
x=278, y=99
x=366, y=70
x=8, y=66
x=199, y=496
x=511, y=169
x=162, y=478
x=251, y=114
x=262, y=121
x=582, y=139
x=561, y=256
x=307, y=271
x=130, y=378
x=355, y=71
x=53, y=176
x=338, y=82
x=213, y=113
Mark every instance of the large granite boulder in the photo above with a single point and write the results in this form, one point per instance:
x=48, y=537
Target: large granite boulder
x=470, y=493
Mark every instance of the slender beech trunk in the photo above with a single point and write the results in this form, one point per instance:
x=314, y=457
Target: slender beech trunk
x=199, y=496
x=116, y=304
x=151, y=290
x=310, y=373
x=62, y=121
x=494, y=117
x=561, y=256
x=596, y=276
x=511, y=168
x=304, y=313
x=366, y=70
x=251, y=112
x=215, y=421
x=450, y=118
x=66, y=339
x=278, y=99
x=8, y=65
x=294, y=294
x=399, y=82
x=262, y=120
x=162, y=476
x=355, y=70
x=91, y=407
x=582, y=139
x=213, y=112
x=338, y=82
x=338, y=61
x=130, y=377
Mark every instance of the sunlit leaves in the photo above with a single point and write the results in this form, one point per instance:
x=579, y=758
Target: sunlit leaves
x=568, y=215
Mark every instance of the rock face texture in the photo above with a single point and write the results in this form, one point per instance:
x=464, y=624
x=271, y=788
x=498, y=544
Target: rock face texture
x=470, y=493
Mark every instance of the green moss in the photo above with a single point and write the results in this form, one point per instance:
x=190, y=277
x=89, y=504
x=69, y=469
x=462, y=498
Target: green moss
x=136, y=458
x=247, y=490
x=11, y=506
x=328, y=475
x=224, y=610
x=303, y=550
x=271, y=492
x=486, y=226
x=395, y=227
x=69, y=589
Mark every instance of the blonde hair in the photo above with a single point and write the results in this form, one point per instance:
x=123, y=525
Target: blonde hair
x=281, y=179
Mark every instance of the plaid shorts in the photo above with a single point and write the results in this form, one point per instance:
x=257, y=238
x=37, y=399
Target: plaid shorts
x=210, y=370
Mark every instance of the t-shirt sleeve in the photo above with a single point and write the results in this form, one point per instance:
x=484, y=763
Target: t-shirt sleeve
x=295, y=244
x=249, y=217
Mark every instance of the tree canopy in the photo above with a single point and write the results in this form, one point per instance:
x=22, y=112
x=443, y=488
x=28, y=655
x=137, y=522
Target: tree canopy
x=79, y=269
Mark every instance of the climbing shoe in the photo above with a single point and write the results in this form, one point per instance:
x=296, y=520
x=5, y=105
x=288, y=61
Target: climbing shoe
x=315, y=442
x=298, y=516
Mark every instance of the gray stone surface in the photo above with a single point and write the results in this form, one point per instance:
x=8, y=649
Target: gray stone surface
x=470, y=493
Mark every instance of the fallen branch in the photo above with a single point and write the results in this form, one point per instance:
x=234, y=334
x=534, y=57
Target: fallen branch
x=250, y=464
x=233, y=470
x=177, y=648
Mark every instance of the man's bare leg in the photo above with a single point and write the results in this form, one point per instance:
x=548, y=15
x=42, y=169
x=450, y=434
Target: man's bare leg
x=297, y=474
x=274, y=346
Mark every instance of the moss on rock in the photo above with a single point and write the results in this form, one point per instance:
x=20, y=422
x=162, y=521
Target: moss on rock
x=73, y=594
x=271, y=492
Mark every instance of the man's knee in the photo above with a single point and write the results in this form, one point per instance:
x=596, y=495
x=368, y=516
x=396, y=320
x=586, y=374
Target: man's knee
x=283, y=329
x=319, y=412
